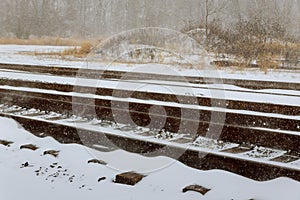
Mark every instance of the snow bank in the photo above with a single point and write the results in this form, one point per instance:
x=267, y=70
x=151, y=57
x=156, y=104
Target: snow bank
x=69, y=176
x=11, y=54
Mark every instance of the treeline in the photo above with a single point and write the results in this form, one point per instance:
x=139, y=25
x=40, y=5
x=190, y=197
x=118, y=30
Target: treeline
x=90, y=18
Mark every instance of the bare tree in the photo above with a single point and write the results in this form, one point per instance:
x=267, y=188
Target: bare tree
x=103, y=17
x=212, y=7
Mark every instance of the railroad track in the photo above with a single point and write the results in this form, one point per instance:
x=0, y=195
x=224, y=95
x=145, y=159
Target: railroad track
x=258, y=140
x=254, y=127
x=114, y=74
x=258, y=163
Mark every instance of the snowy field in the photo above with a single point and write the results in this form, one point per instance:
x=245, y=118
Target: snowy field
x=69, y=176
x=17, y=54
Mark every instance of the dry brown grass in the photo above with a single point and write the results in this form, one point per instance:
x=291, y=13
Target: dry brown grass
x=267, y=61
x=85, y=48
x=51, y=41
x=81, y=51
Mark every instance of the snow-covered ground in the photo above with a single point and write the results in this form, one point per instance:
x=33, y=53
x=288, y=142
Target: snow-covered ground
x=27, y=174
x=69, y=176
x=15, y=54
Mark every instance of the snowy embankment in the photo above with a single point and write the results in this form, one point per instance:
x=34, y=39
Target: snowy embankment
x=17, y=54
x=28, y=174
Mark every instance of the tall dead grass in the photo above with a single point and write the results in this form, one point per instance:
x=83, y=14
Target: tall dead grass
x=50, y=41
x=78, y=51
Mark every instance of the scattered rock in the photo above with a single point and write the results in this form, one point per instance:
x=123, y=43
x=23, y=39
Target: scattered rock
x=101, y=162
x=55, y=175
x=196, y=188
x=38, y=171
x=81, y=186
x=29, y=146
x=5, y=143
x=129, y=178
x=54, y=153
x=26, y=164
x=101, y=179
x=71, y=179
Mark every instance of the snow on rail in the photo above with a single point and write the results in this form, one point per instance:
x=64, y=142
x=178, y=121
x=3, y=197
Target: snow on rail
x=152, y=102
x=168, y=89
